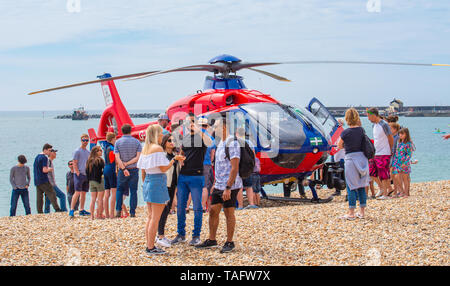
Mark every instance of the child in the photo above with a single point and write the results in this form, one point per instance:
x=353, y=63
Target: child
x=395, y=127
x=70, y=185
x=19, y=178
x=402, y=162
x=94, y=173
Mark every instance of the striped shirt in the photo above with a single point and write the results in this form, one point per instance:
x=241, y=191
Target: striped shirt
x=127, y=147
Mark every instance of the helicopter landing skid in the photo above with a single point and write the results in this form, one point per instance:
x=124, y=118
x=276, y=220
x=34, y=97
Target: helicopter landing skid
x=300, y=200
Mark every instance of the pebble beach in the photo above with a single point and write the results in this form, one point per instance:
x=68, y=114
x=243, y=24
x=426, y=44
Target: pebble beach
x=410, y=231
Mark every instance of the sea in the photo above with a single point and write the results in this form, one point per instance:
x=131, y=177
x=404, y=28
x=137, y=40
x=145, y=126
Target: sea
x=25, y=132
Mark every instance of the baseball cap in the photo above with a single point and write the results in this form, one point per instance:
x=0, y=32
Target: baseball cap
x=163, y=116
x=202, y=121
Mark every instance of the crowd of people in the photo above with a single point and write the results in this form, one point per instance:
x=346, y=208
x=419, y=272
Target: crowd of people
x=177, y=169
x=390, y=166
x=200, y=165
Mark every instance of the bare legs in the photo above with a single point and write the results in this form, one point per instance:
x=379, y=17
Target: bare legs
x=250, y=196
x=100, y=205
x=154, y=212
x=92, y=207
x=82, y=196
x=96, y=197
x=214, y=212
x=106, y=202
x=231, y=223
x=112, y=202
x=398, y=184
x=204, y=198
x=214, y=221
x=386, y=185
x=240, y=198
x=404, y=179
x=125, y=212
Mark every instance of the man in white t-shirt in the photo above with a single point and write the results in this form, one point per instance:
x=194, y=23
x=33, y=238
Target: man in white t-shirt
x=226, y=187
x=383, y=141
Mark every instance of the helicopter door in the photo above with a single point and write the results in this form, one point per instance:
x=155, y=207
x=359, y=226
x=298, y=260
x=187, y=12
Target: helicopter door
x=329, y=123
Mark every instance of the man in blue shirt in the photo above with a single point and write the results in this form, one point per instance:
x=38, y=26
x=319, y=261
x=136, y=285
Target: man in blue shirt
x=127, y=150
x=41, y=181
x=226, y=188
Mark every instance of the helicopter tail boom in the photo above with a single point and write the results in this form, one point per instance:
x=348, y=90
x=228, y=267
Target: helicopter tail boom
x=115, y=115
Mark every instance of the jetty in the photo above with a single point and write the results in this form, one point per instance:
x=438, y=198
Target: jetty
x=132, y=115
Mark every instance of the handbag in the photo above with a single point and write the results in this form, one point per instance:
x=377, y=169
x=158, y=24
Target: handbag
x=367, y=146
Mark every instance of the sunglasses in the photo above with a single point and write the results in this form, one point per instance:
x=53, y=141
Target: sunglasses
x=85, y=140
x=169, y=140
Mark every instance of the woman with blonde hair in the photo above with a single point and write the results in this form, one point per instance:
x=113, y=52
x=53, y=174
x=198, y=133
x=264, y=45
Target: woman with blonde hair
x=94, y=173
x=356, y=164
x=155, y=163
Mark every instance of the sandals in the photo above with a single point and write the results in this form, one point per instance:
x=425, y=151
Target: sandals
x=360, y=216
x=347, y=217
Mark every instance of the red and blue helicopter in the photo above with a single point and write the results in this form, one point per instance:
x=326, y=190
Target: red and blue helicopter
x=305, y=138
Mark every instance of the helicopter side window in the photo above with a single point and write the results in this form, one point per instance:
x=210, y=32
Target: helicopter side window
x=311, y=119
x=220, y=84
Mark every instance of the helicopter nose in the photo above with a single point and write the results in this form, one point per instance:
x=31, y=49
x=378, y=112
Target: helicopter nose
x=296, y=144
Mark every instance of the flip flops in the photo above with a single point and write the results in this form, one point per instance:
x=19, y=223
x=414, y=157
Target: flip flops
x=347, y=217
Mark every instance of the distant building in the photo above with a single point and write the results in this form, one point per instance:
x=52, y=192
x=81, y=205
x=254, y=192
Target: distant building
x=396, y=105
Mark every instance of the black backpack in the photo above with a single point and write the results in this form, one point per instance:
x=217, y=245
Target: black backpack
x=247, y=160
x=367, y=147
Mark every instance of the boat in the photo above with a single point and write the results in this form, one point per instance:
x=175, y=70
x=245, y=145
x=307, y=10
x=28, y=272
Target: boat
x=80, y=114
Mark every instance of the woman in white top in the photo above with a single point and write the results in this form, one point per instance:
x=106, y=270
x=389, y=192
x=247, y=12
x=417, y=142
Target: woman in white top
x=154, y=163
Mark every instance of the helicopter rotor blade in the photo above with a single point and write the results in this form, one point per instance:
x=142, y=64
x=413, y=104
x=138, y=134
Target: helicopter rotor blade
x=92, y=81
x=215, y=68
x=239, y=66
x=277, y=77
x=364, y=63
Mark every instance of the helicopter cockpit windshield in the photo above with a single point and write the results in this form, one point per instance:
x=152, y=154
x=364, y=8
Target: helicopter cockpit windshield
x=275, y=126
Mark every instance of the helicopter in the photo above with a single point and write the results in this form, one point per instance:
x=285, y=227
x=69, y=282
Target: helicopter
x=291, y=147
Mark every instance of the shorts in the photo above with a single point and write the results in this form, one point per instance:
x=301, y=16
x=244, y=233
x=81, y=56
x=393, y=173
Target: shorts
x=247, y=182
x=216, y=198
x=155, y=190
x=81, y=183
x=209, y=176
x=379, y=167
x=110, y=179
x=96, y=187
x=256, y=180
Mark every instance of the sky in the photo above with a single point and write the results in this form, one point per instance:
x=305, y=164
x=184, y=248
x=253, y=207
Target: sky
x=48, y=43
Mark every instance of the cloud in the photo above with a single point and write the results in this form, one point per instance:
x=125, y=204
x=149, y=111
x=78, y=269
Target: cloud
x=46, y=45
